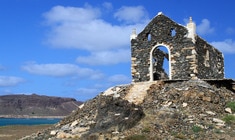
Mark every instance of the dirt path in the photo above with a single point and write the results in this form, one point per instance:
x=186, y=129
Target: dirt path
x=138, y=92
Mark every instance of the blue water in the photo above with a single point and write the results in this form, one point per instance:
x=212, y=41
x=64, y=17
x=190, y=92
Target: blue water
x=24, y=121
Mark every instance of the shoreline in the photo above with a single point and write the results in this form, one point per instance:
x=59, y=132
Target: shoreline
x=29, y=117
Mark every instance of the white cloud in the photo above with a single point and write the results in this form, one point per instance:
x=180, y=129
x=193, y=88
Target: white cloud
x=120, y=79
x=105, y=57
x=59, y=15
x=204, y=27
x=226, y=46
x=60, y=70
x=10, y=80
x=83, y=28
x=107, y=5
x=132, y=14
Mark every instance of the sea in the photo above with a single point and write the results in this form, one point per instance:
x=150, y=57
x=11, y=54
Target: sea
x=27, y=121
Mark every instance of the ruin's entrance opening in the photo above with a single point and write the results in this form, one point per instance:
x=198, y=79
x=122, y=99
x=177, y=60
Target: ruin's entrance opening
x=160, y=63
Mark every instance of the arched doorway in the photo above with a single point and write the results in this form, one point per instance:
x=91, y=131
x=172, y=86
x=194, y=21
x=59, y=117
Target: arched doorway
x=160, y=66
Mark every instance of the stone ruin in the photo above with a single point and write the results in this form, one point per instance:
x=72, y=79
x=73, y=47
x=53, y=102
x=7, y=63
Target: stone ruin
x=185, y=54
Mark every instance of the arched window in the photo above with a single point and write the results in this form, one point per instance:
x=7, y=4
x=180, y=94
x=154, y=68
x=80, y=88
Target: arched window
x=160, y=63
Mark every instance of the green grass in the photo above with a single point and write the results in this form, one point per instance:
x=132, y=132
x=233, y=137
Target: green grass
x=229, y=118
x=231, y=105
x=196, y=129
x=146, y=130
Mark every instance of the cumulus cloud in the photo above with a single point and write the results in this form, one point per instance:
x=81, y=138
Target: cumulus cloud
x=84, y=28
x=106, y=57
x=10, y=81
x=59, y=15
x=132, y=14
x=60, y=70
x=107, y=5
x=226, y=46
x=205, y=27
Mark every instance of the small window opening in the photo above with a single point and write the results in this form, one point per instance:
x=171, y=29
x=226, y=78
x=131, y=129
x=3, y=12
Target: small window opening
x=149, y=37
x=173, y=32
x=207, y=59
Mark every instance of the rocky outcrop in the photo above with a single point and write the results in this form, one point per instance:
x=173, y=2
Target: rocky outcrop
x=36, y=106
x=191, y=109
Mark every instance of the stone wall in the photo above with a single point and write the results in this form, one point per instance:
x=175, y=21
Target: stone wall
x=185, y=56
x=210, y=61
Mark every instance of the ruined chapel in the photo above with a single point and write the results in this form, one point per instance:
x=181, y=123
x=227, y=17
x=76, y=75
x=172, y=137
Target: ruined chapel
x=185, y=54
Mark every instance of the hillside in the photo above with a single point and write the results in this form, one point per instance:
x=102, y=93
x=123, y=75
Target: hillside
x=36, y=106
x=156, y=110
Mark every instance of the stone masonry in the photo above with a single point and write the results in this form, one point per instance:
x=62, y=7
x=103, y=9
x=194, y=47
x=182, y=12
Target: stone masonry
x=188, y=55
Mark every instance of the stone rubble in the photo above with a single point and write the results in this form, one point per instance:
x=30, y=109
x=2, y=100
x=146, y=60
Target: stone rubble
x=175, y=110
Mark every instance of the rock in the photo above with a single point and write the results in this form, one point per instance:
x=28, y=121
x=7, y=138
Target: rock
x=117, y=114
x=74, y=123
x=54, y=132
x=81, y=106
x=203, y=115
x=218, y=120
x=185, y=104
x=63, y=135
x=210, y=113
x=65, y=127
x=80, y=129
x=167, y=104
x=116, y=95
x=208, y=99
x=115, y=132
x=220, y=124
x=228, y=110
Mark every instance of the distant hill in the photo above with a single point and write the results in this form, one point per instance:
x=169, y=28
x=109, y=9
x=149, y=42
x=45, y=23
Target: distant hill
x=36, y=106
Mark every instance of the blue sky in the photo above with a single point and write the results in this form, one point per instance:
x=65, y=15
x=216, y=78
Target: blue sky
x=78, y=48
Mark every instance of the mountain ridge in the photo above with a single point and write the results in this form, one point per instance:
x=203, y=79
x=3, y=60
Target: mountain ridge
x=36, y=106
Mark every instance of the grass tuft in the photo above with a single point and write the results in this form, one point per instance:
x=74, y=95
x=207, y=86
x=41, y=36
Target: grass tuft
x=196, y=129
x=231, y=105
x=229, y=118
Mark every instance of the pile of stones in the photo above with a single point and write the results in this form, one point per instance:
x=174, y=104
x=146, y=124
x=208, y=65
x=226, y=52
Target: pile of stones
x=190, y=109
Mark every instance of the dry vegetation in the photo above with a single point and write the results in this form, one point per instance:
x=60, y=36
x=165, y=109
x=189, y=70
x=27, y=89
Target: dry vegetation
x=18, y=131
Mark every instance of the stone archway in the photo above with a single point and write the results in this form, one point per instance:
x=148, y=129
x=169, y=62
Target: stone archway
x=159, y=68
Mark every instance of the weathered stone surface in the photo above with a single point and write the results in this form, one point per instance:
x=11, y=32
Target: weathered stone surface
x=189, y=58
